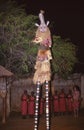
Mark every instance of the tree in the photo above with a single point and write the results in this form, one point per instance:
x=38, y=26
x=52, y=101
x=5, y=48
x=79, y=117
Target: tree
x=18, y=53
x=16, y=32
x=64, y=56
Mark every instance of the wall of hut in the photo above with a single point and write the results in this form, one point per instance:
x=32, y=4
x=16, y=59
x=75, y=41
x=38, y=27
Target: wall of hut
x=4, y=88
x=17, y=90
x=18, y=86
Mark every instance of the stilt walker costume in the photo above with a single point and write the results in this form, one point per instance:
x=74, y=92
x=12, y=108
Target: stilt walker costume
x=42, y=73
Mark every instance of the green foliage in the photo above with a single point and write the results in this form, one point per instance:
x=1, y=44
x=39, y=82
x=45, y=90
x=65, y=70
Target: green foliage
x=18, y=53
x=16, y=33
x=64, y=56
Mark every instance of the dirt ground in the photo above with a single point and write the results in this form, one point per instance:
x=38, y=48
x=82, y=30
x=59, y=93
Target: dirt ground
x=66, y=122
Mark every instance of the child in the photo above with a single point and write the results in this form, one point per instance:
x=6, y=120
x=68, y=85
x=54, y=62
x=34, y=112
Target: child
x=62, y=102
x=76, y=100
x=56, y=103
x=31, y=105
x=24, y=103
x=69, y=102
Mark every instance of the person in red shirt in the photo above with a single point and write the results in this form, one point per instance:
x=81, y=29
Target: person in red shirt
x=76, y=100
x=69, y=102
x=31, y=105
x=56, y=103
x=62, y=102
x=24, y=104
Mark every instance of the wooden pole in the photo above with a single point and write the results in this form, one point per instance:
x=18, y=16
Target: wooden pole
x=37, y=107
x=47, y=106
x=4, y=104
x=4, y=110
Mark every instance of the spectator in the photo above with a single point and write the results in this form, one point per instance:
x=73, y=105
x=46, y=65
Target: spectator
x=56, y=104
x=69, y=102
x=62, y=102
x=24, y=104
x=76, y=100
x=31, y=106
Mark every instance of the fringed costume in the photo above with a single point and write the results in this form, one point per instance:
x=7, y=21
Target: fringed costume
x=42, y=67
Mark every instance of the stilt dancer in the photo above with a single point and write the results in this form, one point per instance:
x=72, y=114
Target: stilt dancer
x=43, y=72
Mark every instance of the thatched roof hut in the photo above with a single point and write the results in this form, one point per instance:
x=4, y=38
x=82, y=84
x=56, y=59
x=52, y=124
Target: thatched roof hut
x=4, y=72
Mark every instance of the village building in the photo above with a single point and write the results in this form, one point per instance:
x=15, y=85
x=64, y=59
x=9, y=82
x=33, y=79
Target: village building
x=10, y=92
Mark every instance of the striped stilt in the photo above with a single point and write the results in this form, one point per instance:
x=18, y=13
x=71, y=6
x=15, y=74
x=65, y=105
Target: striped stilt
x=47, y=106
x=37, y=106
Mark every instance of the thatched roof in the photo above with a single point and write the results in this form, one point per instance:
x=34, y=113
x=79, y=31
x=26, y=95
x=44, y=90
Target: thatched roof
x=4, y=72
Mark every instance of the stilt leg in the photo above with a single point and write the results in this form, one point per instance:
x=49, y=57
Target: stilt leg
x=37, y=107
x=47, y=107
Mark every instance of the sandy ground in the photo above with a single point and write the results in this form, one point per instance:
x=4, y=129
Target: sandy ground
x=66, y=122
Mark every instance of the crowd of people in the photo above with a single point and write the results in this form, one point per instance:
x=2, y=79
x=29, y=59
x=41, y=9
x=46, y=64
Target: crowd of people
x=59, y=104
